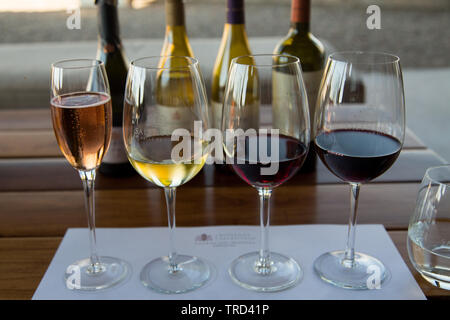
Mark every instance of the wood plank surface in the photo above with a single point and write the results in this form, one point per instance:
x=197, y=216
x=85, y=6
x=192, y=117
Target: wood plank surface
x=41, y=196
x=28, y=259
x=42, y=143
x=50, y=213
x=23, y=264
x=25, y=119
x=28, y=144
x=57, y=174
x=29, y=120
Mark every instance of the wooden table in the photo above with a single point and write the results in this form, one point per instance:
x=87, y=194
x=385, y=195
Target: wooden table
x=41, y=196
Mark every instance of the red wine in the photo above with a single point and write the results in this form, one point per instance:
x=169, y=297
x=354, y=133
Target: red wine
x=357, y=155
x=291, y=155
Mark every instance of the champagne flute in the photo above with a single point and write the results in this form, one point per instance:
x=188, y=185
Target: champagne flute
x=360, y=128
x=165, y=114
x=81, y=114
x=265, y=125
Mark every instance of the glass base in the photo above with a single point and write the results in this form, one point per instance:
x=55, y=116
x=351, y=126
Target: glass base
x=436, y=279
x=84, y=276
x=191, y=273
x=366, y=273
x=284, y=272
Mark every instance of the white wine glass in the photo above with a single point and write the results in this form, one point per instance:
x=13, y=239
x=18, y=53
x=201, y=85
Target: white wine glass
x=166, y=108
x=82, y=119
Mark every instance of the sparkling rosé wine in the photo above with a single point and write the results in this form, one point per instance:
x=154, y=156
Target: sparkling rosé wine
x=357, y=155
x=290, y=157
x=82, y=123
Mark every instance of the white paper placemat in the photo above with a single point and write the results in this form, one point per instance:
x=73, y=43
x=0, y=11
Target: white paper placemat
x=219, y=246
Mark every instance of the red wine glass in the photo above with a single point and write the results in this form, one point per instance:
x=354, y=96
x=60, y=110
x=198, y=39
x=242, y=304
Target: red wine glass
x=265, y=126
x=360, y=128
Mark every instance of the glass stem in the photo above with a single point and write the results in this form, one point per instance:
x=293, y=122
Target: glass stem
x=88, y=179
x=263, y=265
x=170, y=193
x=349, y=258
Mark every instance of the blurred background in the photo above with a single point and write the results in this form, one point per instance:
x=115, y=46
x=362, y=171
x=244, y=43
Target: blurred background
x=33, y=34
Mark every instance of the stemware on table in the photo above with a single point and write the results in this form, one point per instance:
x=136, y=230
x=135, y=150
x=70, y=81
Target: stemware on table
x=82, y=119
x=359, y=133
x=165, y=101
x=265, y=128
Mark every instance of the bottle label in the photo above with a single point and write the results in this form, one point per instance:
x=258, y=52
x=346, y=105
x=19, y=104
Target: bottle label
x=116, y=152
x=173, y=117
x=300, y=11
x=282, y=85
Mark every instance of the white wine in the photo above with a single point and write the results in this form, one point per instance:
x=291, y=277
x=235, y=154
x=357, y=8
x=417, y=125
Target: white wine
x=152, y=159
x=301, y=43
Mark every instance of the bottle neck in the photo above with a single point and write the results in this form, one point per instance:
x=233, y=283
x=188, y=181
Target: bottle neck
x=174, y=13
x=235, y=12
x=300, y=15
x=108, y=25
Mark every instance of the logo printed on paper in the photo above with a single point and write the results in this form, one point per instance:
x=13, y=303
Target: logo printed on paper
x=203, y=237
x=229, y=239
x=374, y=20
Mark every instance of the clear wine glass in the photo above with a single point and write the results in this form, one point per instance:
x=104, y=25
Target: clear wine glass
x=82, y=118
x=265, y=126
x=360, y=128
x=165, y=115
x=429, y=228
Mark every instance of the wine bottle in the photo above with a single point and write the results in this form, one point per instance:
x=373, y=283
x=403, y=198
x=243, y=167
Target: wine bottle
x=174, y=87
x=234, y=43
x=115, y=162
x=176, y=41
x=300, y=42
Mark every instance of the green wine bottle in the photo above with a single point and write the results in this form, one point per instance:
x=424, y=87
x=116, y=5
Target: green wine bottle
x=115, y=162
x=300, y=42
